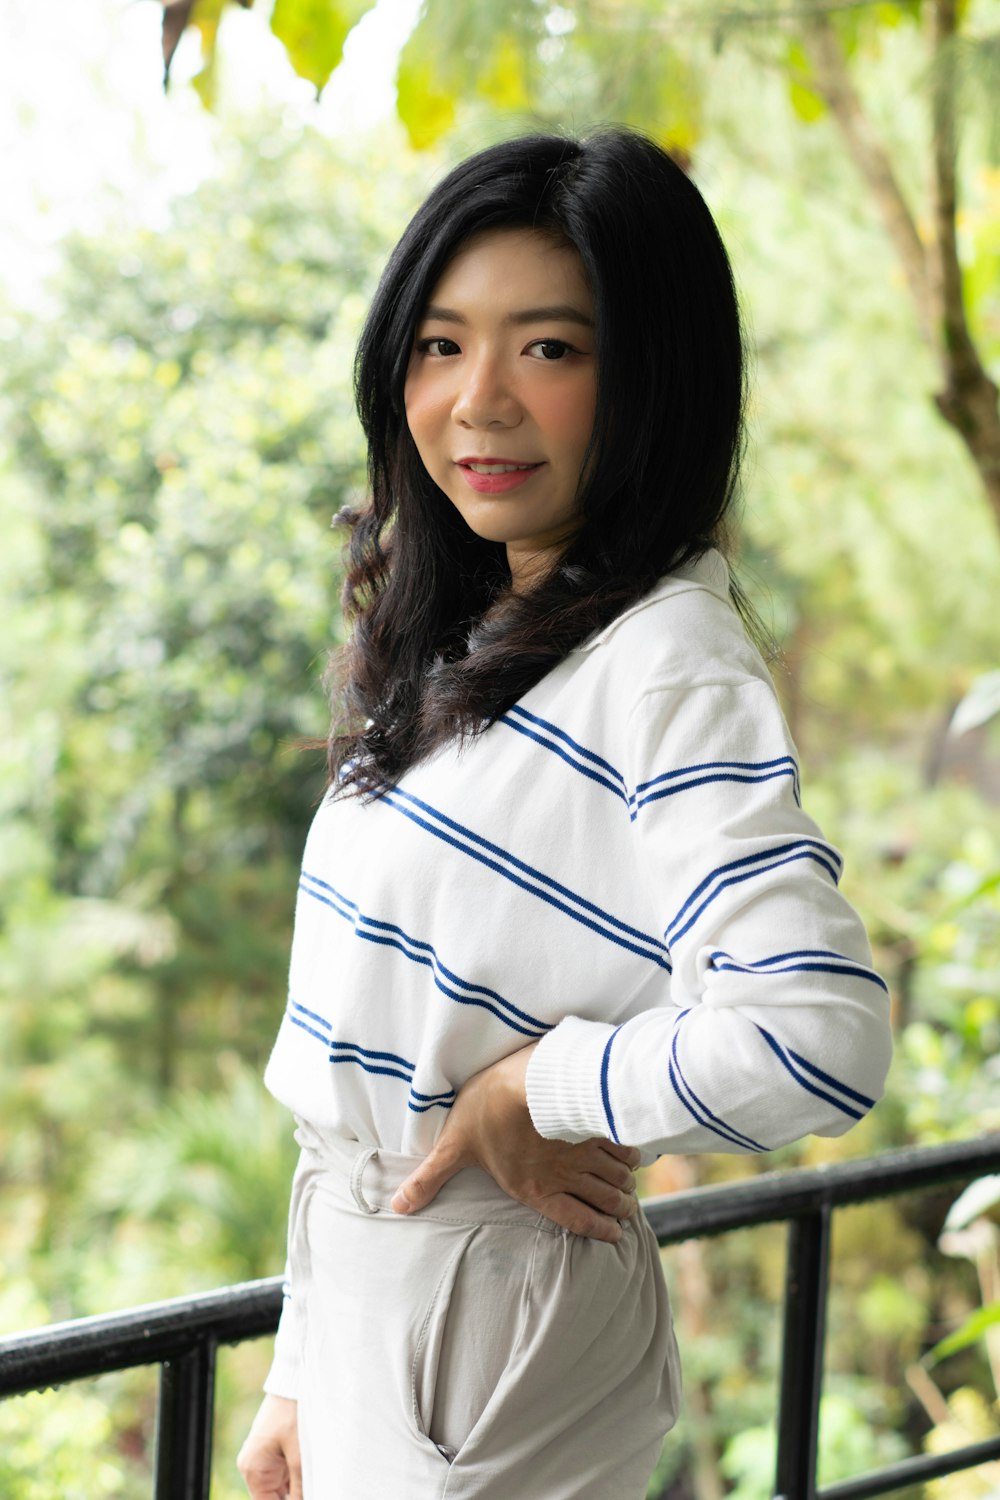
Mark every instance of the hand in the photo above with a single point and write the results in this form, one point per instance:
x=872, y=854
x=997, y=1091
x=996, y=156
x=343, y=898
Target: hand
x=585, y=1187
x=269, y=1459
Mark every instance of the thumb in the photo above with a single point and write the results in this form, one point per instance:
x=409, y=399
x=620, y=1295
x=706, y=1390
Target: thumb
x=423, y=1185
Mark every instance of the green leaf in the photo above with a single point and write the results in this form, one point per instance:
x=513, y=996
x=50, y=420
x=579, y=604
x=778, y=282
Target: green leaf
x=425, y=111
x=892, y=15
x=665, y=97
x=313, y=33
x=986, y=887
x=203, y=16
x=806, y=104
x=972, y=1330
x=205, y=81
x=504, y=81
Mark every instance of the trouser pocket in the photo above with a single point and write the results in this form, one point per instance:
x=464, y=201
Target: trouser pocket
x=471, y=1328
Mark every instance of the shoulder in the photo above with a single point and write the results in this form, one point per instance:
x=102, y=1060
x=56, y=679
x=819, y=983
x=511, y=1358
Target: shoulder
x=684, y=633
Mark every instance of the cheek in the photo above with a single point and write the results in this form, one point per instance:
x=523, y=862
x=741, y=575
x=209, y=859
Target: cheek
x=569, y=416
x=426, y=408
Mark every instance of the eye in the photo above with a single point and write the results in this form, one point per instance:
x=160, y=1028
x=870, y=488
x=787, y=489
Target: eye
x=553, y=349
x=424, y=347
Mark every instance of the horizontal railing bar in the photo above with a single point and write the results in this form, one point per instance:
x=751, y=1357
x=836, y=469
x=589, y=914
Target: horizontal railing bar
x=149, y=1334
x=908, y=1471
x=138, y=1336
x=776, y=1196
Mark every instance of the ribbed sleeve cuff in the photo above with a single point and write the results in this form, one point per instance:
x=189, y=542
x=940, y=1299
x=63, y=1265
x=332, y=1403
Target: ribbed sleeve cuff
x=564, y=1081
x=283, y=1378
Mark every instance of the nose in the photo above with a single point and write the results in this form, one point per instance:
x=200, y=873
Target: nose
x=484, y=397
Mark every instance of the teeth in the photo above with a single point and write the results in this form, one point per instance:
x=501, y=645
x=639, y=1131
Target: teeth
x=498, y=468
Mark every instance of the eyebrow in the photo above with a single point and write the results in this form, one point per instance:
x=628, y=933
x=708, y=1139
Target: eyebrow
x=560, y=312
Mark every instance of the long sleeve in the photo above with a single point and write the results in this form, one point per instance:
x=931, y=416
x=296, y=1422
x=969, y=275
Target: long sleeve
x=283, y=1376
x=776, y=1026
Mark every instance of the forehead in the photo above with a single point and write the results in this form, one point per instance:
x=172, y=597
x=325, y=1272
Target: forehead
x=509, y=265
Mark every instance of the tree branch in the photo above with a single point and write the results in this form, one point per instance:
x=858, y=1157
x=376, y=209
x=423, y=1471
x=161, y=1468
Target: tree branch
x=968, y=400
x=832, y=81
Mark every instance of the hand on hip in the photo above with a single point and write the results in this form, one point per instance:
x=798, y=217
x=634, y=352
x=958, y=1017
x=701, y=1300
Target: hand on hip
x=585, y=1187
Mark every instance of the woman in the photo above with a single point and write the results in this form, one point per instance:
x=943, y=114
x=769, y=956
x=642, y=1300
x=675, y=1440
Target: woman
x=561, y=911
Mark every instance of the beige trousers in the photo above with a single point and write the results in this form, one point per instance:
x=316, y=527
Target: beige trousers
x=473, y=1349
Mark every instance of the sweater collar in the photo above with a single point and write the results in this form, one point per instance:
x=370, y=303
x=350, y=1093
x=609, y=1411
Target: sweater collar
x=710, y=571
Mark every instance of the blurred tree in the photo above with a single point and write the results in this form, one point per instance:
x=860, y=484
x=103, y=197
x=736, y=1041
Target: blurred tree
x=177, y=436
x=531, y=65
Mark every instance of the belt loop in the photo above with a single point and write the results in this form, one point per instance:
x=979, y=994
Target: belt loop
x=357, y=1172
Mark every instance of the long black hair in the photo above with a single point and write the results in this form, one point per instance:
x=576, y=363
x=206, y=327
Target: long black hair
x=441, y=645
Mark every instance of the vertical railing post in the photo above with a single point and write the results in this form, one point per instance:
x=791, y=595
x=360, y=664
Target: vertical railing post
x=806, y=1281
x=184, y=1424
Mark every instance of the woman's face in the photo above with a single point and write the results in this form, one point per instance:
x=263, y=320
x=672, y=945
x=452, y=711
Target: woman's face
x=503, y=373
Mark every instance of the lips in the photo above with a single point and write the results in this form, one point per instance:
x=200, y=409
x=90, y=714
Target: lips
x=504, y=477
x=484, y=461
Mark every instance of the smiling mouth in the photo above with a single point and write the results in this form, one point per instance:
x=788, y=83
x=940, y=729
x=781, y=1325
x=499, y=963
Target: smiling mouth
x=497, y=468
x=496, y=478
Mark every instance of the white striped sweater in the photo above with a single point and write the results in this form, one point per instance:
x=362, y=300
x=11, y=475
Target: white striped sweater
x=619, y=866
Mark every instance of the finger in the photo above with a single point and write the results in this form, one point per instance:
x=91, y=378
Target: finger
x=578, y=1217
x=294, y=1472
x=610, y=1169
x=264, y=1489
x=423, y=1185
x=604, y=1196
x=630, y=1155
x=265, y=1485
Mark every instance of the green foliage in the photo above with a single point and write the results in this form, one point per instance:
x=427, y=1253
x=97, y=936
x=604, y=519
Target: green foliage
x=178, y=433
x=848, y=1445
x=209, y=1175
x=313, y=33
x=426, y=110
x=807, y=104
x=972, y=1330
x=65, y=1445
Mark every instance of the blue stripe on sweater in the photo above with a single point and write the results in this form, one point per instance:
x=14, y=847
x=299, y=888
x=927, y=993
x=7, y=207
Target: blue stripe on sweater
x=749, y=868
x=818, y=960
x=829, y=1079
x=794, y=1064
x=374, y=1068
x=388, y=935
x=587, y=762
x=688, y=777
x=491, y=855
x=707, y=1117
x=553, y=729
x=369, y=1060
x=388, y=1057
x=597, y=769
x=585, y=770
x=605, y=1095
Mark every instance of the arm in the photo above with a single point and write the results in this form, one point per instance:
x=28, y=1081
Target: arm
x=777, y=1026
x=269, y=1460
x=282, y=1378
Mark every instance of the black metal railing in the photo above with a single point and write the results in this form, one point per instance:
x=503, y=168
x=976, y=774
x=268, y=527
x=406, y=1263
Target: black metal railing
x=183, y=1335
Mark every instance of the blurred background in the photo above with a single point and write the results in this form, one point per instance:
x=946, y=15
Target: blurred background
x=182, y=278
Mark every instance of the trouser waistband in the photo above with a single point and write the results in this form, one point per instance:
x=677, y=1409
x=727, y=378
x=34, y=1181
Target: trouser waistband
x=368, y=1177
